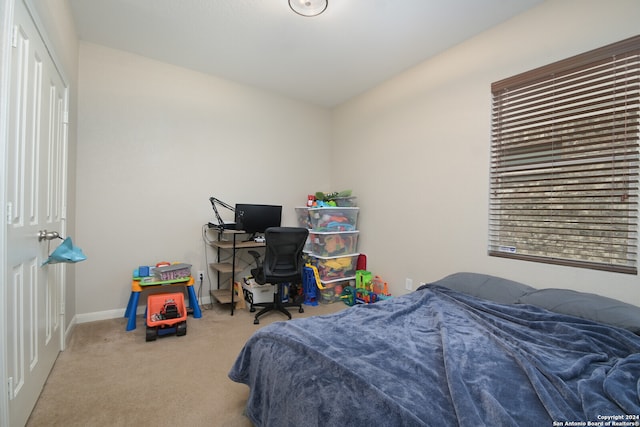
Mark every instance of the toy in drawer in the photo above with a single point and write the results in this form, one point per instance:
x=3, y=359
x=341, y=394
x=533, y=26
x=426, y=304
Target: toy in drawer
x=338, y=267
x=334, y=218
x=333, y=243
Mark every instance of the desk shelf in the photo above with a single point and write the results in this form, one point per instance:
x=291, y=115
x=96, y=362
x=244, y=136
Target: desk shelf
x=228, y=242
x=224, y=267
x=223, y=296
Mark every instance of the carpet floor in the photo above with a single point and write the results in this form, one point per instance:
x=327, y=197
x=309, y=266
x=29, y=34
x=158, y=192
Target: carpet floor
x=110, y=377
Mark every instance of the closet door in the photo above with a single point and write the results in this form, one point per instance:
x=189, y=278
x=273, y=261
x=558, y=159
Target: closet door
x=35, y=174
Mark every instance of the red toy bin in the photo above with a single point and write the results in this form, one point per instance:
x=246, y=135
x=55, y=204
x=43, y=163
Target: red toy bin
x=160, y=309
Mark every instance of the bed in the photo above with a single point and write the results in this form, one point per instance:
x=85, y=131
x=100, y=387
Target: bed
x=469, y=350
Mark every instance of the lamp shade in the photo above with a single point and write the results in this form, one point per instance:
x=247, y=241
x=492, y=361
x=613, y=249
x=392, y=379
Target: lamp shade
x=308, y=7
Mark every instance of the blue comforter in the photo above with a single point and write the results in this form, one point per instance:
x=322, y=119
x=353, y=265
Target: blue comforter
x=437, y=357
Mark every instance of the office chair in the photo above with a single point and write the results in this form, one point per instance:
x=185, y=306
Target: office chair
x=282, y=264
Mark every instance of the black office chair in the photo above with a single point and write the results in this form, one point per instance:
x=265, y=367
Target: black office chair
x=282, y=264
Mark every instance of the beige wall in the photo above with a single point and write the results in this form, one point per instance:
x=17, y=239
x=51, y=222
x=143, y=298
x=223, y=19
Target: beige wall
x=422, y=145
x=155, y=141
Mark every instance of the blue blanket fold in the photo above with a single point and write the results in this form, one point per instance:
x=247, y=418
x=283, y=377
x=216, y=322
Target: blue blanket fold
x=438, y=357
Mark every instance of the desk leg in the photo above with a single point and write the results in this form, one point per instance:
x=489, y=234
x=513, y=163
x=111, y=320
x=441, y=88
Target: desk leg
x=193, y=303
x=131, y=310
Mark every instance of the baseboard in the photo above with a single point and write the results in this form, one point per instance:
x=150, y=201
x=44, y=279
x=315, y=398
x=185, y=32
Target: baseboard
x=69, y=331
x=100, y=315
x=116, y=313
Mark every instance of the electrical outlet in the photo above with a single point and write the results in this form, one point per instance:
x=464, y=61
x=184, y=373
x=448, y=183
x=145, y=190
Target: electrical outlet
x=201, y=275
x=408, y=284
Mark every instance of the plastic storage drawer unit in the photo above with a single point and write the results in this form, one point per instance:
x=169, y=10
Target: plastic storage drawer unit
x=326, y=243
x=338, y=267
x=331, y=291
x=302, y=216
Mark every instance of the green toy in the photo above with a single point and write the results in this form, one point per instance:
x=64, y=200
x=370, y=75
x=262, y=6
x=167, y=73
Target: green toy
x=348, y=295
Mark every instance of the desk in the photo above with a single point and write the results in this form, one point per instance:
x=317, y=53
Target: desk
x=137, y=287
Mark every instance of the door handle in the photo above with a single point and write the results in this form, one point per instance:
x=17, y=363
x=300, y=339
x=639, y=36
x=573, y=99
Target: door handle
x=47, y=235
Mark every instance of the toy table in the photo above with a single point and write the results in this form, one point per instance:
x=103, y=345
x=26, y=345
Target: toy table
x=138, y=284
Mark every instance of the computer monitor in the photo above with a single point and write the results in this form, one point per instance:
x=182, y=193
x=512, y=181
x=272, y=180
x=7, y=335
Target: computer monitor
x=255, y=219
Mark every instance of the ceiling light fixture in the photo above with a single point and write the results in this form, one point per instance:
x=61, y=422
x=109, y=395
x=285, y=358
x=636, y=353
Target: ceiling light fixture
x=308, y=7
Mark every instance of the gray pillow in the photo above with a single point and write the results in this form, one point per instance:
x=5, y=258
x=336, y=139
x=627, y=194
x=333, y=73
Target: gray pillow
x=587, y=306
x=493, y=288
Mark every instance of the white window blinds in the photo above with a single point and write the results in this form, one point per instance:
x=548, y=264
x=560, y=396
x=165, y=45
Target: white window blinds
x=564, y=161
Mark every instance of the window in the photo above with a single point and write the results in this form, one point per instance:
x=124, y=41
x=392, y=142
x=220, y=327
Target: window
x=565, y=163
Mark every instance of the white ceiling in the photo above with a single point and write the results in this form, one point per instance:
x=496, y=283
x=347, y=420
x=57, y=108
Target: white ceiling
x=326, y=60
